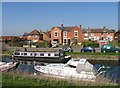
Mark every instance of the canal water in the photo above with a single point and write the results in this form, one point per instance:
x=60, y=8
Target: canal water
x=112, y=68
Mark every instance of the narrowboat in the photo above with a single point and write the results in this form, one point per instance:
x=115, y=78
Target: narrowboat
x=58, y=56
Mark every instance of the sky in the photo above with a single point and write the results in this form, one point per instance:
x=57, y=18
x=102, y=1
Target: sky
x=20, y=17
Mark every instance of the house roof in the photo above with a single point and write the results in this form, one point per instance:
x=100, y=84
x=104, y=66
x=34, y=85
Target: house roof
x=34, y=32
x=7, y=37
x=47, y=33
x=118, y=31
x=65, y=28
x=97, y=30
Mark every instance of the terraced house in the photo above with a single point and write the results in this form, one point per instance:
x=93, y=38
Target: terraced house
x=66, y=35
x=69, y=35
x=98, y=34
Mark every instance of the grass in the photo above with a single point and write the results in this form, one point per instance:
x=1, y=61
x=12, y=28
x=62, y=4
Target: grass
x=16, y=79
x=8, y=52
x=89, y=53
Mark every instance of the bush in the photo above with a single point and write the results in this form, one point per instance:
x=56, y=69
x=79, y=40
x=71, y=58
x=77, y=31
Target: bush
x=47, y=44
x=90, y=43
x=115, y=43
x=41, y=44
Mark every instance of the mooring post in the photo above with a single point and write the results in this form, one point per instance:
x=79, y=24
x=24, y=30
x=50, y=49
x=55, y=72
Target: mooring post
x=34, y=64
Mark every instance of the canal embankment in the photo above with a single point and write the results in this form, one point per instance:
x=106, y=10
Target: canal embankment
x=87, y=55
x=95, y=56
x=30, y=80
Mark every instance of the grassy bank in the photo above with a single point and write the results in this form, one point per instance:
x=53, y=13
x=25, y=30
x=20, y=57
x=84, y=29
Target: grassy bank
x=94, y=56
x=89, y=53
x=7, y=52
x=11, y=79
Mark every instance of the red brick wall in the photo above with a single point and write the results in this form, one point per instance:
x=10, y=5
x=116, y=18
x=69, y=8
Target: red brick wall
x=31, y=37
x=99, y=34
x=45, y=37
x=59, y=37
x=70, y=34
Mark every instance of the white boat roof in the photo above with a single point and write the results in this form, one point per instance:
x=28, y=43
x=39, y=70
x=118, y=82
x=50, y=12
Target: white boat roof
x=82, y=61
x=2, y=63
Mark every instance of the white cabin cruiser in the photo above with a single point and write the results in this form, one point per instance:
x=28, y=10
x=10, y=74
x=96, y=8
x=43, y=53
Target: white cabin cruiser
x=7, y=66
x=80, y=69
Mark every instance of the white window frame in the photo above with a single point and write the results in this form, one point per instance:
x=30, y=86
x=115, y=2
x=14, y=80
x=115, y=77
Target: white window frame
x=64, y=40
x=92, y=34
x=65, y=34
x=35, y=36
x=108, y=33
x=86, y=34
x=55, y=34
x=76, y=39
x=75, y=34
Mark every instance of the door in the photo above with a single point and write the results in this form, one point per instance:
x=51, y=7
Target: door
x=68, y=41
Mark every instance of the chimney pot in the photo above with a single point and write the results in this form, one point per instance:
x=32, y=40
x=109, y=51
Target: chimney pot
x=80, y=27
x=61, y=26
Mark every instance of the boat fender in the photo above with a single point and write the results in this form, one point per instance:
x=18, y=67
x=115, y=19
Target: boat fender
x=61, y=54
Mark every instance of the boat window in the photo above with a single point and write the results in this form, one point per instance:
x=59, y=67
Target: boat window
x=31, y=54
x=56, y=54
x=21, y=53
x=42, y=54
x=71, y=66
x=25, y=53
x=16, y=53
x=48, y=54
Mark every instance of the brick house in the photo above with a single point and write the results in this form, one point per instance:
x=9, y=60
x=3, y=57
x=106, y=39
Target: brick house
x=46, y=36
x=36, y=36
x=98, y=34
x=7, y=38
x=66, y=35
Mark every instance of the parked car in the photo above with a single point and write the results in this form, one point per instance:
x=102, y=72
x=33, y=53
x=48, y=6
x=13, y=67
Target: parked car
x=109, y=48
x=88, y=49
x=67, y=49
x=54, y=44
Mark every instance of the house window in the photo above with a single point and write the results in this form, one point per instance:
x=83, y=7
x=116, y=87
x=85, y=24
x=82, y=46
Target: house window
x=102, y=33
x=65, y=41
x=108, y=33
x=35, y=36
x=76, y=40
x=86, y=34
x=65, y=33
x=92, y=34
x=75, y=33
x=56, y=34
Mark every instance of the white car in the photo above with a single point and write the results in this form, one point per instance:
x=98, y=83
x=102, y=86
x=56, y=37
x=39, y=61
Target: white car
x=54, y=44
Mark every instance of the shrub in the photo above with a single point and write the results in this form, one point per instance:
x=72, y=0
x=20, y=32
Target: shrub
x=41, y=44
x=90, y=43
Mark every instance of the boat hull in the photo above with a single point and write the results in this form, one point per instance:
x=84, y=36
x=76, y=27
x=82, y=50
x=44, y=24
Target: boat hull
x=10, y=67
x=43, y=59
x=60, y=71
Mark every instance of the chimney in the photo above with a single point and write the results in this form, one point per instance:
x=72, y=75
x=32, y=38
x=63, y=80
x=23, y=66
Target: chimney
x=88, y=28
x=80, y=27
x=104, y=29
x=61, y=26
